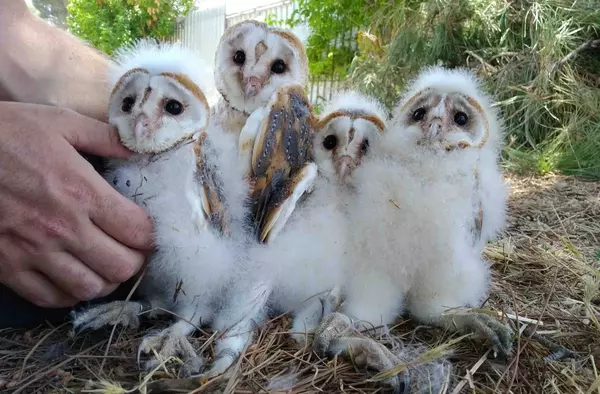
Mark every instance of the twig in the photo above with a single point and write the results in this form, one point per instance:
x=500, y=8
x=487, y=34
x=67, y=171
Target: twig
x=471, y=371
x=112, y=332
x=35, y=347
x=516, y=361
x=547, y=301
x=483, y=62
x=591, y=44
x=558, y=352
x=43, y=373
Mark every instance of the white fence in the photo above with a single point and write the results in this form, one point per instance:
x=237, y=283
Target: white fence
x=280, y=11
x=202, y=29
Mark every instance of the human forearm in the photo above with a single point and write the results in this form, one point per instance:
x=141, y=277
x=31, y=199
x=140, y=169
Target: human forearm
x=45, y=65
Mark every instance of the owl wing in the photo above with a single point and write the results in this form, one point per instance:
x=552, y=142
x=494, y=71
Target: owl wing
x=207, y=198
x=247, y=139
x=282, y=160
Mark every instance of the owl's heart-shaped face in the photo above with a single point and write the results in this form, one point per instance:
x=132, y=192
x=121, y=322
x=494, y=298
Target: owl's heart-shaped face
x=349, y=125
x=443, y=119
x=343, y=140
x=254, y=60
x=447, y=109
x=153, y=112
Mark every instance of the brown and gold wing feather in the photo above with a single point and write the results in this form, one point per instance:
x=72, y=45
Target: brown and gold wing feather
x=282, y=160
x=209, y=185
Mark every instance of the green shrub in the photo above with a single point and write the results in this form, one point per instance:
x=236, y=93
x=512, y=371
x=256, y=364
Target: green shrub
x=540, y=59
x=110, y=24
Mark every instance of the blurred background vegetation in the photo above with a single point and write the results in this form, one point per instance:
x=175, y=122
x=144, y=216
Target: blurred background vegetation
x=540, y=58
x=110, y=24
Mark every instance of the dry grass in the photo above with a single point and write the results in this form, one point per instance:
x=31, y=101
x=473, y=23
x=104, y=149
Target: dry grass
x=547, y=280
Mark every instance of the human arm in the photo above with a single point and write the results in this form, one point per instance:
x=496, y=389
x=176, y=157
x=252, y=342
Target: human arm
x=65, y=234
x=42, y=64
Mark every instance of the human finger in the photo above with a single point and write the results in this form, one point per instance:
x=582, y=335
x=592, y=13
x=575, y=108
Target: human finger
x=89, y=135
x=121, y=218
x=113, y=261
x=39, y=290
x=73, y=277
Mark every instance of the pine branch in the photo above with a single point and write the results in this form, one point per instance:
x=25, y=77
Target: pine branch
x=591, y=44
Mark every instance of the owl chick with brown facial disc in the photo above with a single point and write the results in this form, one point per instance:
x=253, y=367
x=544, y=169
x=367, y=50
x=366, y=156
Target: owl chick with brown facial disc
x=178, y=175
x=252, y=61
x=344, y=131
x=413, y=241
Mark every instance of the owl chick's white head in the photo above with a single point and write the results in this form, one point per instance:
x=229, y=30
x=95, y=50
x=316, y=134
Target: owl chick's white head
x=158, y=97
x=253, y=60
x=349, y=123
x=447, y=108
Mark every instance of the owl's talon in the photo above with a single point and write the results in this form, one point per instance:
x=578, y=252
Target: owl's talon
x=338, y=336
x=484, y=326
x=332, y=301
x=124, y=313
x=169, y=343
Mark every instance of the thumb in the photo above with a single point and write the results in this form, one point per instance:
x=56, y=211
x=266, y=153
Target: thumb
x=94, y=137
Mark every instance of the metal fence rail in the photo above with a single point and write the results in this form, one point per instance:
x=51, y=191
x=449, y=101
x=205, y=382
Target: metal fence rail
x=281, y=11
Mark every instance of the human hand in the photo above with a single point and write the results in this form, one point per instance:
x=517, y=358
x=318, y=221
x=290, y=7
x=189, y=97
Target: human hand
x=65, y=234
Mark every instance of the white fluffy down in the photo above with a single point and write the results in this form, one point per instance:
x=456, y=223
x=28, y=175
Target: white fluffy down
x=204, y=261
x=410, y=238
x=353, y=100
x=158, y=57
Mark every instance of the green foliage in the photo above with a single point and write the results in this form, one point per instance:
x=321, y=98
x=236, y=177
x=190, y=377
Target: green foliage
x=539, y=58
x=331, y=46
x=110, y=24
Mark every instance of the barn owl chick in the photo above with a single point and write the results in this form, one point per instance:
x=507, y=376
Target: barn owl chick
x=160, y=110
x=440, y=116
x=344, y=131
x=411, y=247
x=252, y=61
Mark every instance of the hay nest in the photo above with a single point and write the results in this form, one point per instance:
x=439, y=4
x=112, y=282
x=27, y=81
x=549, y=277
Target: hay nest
x=546, y=284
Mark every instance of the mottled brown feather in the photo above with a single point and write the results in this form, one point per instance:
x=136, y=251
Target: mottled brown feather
x=283, y=148
x=207, y=179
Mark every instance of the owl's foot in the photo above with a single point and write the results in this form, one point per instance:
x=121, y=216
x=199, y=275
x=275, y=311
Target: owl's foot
x=170, y=342
x=337, y=335
x=116, y=312
x=308, y=318
x=483, y=326
x=224, y=359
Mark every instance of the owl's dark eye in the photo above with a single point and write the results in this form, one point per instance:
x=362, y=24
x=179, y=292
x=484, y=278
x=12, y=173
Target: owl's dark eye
x=278, y=66
x=127, y=104
x=330, y=142
x=174, y=107
x=419, y=114
x=460, y=118
x=365, y=146
x=239, y=57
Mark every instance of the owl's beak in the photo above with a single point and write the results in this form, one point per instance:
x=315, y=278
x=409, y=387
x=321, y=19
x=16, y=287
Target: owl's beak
x=141, y=126
x=435, y=128
x=345, y=166
x=436, y=124
x=252, y=85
